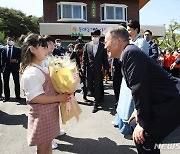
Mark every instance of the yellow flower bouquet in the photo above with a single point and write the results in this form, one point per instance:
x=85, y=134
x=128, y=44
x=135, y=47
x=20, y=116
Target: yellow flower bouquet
x=64, y=78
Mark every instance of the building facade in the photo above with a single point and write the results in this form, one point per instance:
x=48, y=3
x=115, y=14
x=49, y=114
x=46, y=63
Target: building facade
x=69, y=19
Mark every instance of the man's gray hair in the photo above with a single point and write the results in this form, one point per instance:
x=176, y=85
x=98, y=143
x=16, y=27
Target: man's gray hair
x=119, y=32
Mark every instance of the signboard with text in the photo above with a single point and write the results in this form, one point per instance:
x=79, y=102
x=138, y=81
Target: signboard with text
x=86, y=29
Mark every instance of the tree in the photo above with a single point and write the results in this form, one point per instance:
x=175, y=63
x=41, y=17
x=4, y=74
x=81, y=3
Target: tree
x=15, y=23
x=171, y=39
x=2, y=38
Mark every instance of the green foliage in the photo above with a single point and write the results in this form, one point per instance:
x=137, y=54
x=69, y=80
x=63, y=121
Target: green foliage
x=15, y=23
x=2, y=38
x=171, y=40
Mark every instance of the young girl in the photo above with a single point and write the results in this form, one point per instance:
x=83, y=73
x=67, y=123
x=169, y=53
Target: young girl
x=43, y=118
x=45, y=63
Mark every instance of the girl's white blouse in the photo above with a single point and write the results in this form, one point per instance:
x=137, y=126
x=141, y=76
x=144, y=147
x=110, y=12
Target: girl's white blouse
x=32, y=81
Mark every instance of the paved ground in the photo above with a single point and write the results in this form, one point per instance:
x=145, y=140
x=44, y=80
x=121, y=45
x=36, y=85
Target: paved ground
x=93, y=134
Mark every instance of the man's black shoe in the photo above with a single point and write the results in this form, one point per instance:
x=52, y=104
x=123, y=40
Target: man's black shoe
x=90, y=94
x=1, y=98
x=85, y=98
x=115, y=105
x=6, y=99
x=128, y=137
x=95, y=109
x=102, y=99
x=18, y=98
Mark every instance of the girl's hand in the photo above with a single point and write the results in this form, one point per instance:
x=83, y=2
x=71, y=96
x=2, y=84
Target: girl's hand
x=64, y=97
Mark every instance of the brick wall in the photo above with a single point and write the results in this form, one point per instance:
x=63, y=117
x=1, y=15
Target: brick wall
x=50, y=9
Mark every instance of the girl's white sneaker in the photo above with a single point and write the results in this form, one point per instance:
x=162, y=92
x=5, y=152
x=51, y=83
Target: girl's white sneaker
x=54, y=144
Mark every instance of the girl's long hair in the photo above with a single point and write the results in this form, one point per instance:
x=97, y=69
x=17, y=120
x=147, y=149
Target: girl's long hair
x=34, y=40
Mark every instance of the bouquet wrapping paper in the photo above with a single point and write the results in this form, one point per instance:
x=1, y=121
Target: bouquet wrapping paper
x=64, y=78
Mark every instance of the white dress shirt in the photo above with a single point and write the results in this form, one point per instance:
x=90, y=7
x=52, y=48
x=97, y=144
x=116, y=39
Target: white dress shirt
x=95, y=48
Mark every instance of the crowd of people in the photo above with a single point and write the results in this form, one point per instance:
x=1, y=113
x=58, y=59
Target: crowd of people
x=142, y=79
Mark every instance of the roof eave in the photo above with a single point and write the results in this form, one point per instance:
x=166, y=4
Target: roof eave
x=142, y=3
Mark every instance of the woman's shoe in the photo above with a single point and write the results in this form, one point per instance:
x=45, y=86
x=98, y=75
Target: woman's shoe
x=113, y=123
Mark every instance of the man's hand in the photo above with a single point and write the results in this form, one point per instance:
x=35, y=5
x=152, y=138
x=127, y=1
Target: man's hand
x=81, y=73
x=138, y=134
x=105, y=73
x=172, y=65
x=113, y=69
x=133, y=115
x=13, y=61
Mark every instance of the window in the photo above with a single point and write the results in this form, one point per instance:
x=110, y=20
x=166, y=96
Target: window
x=76, y=11
x=67, y=11
x=59, y=12
x=84, y=13
x=102, y=13
x=71, y=11
x=113, y=13
x=110, y=12
x=119, y=12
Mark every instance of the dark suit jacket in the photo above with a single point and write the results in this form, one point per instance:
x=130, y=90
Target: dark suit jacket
x=117, y=78
x=76, y=56
x=153, y=50
x=59, y=52
x=16, y=54
x=94, y=64
x=155, y=92
x=117, y=66
x=1, y=50
x=177, y=61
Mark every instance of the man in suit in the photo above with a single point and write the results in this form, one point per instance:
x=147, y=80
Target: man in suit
x=153, y=48
x=58, y=50
x=1, y=91
x=93, y=59
x=77, y=56
x=156, y=93
x=11, y=57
